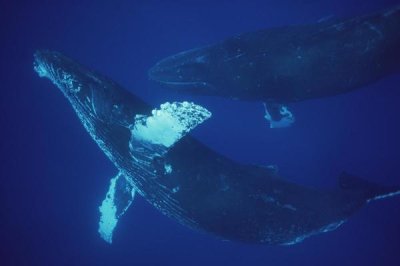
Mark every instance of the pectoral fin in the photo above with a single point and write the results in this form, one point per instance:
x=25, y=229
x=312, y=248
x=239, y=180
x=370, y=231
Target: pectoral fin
x=168, y=124
x=278, y=115
x=118, y=198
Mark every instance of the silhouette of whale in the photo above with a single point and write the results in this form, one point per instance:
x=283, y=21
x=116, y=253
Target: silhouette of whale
x=289, y=64
x=188, y=181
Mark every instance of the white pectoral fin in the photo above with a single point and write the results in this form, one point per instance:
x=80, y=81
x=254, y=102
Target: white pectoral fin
x=166, y=125
x=118, y=198
x=278, y=115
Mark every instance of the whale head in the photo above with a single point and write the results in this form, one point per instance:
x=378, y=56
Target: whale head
x=215, y=70
x=190, y=71
x=106, y=110
x=94, y=97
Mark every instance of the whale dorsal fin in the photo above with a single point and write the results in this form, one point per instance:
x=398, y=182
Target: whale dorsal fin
x=168, y=124
x=119, y=197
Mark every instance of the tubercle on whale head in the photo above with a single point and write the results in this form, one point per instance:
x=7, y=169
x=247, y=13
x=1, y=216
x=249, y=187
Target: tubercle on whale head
x=91, y=95
x=50, y=65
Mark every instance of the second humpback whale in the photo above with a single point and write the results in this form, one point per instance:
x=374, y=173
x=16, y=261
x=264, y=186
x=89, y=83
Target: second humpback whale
x=188, y=181
x=289, y=64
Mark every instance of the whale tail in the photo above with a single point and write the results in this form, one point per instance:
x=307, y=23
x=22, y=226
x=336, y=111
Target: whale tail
x=371, y=190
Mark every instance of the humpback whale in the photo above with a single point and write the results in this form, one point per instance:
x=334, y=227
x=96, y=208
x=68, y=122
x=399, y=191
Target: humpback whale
x=186, y=180
x=289, y=64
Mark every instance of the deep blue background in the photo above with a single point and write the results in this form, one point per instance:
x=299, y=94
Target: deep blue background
x=53, y=176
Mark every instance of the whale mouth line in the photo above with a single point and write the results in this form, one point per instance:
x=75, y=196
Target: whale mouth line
x=173, y=81
x=183, y=83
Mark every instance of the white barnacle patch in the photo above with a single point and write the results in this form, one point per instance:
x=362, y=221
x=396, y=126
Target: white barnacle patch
x=59, y=77
x=167, y=169
x=70, y=82
x=41, y=70
x=168, y=124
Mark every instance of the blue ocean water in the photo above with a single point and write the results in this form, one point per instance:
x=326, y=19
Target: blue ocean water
x=53, y=176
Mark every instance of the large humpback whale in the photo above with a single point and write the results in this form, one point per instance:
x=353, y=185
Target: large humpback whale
x=188, y=181
x=289, y=64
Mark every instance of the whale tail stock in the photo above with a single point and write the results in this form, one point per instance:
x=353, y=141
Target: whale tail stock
x=372, y=190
